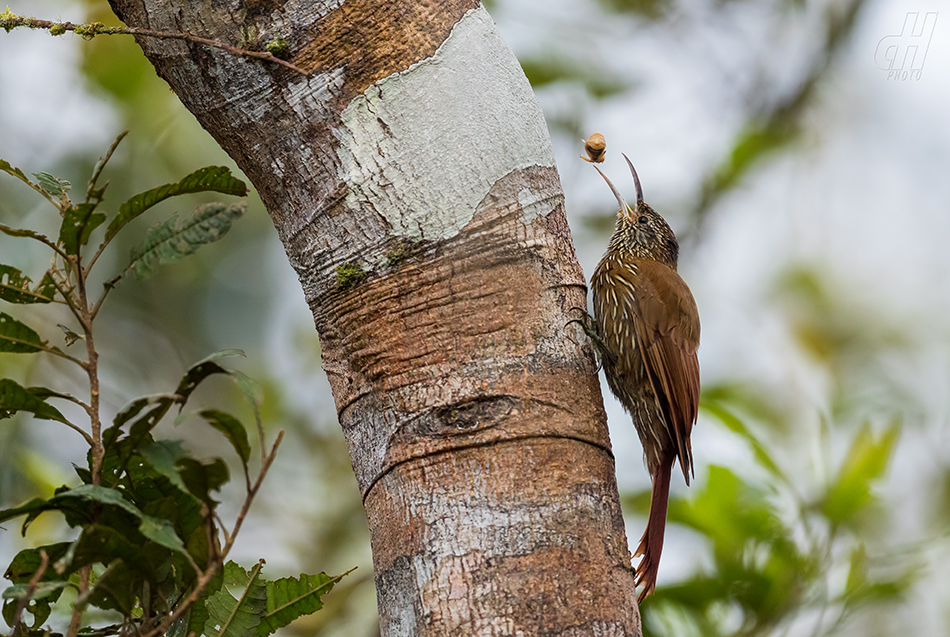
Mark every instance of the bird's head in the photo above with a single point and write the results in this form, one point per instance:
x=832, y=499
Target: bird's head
x=641, y=231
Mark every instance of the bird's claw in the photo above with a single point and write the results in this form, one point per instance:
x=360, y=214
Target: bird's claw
x=589, y=327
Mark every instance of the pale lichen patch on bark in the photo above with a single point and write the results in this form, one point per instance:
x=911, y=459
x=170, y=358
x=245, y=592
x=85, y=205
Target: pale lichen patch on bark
x=427, y=174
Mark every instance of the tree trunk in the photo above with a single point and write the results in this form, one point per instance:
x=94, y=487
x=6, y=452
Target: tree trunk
x=411, y=179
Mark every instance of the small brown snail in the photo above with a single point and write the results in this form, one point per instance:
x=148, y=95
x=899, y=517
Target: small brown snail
x=596, y=147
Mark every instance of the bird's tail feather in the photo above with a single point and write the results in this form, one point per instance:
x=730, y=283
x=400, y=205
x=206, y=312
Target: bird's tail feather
x=651, y=544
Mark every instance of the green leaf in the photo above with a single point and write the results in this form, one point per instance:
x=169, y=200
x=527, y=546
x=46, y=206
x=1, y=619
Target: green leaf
x=22, y=569
x=159, y=531
x=194, y=376
x=162, y=455
x=28, y=561
x=228, y=352
x=253, y=393
x=103, y=544
x=14, y=398
x=44, y=589
x=289, y=598
x=103, y=495
x=174, y=240
x=70, y=336
x=162, y=403
x=850, y=494
x=15, y=287
x=208, y=179
x=199, y=615
x=14, y=171
x=232, y=429
x=36, y=505
x=52, y=185
x=734, y=424
x=202, y=478
x=239, y=616
x=93, y=193
x=162, y=533
x=19, y=232
x=15, y=337
x=78, y=223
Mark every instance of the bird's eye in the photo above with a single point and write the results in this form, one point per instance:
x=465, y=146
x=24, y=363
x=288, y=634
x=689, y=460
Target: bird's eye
x=643, y=219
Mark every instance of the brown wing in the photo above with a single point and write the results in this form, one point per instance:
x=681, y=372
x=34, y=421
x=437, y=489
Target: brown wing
x=667, y=332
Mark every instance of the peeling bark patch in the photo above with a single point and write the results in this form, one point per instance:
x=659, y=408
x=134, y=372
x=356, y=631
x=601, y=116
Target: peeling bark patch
x=427, y=175
x=372, y=39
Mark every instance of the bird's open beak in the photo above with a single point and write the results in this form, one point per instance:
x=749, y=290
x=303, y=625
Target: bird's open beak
x=624, y=208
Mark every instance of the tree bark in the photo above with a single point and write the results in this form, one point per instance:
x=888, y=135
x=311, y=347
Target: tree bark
x=411, y=180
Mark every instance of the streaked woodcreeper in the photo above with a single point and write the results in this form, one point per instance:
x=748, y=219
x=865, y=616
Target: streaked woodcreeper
x=648, y=328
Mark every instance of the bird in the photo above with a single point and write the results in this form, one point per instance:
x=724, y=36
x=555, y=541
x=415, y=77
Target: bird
x=647, y=330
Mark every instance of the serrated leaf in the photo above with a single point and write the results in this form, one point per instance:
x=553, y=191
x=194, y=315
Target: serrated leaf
x=208, y=179
x=16, y=337
x=232, y=429
x=51, y=184
x=290, y=597
x=174, y=240
x=199, y=614
x=14, y=398
x=16, y=287
x=239, y=616
x=78, y=224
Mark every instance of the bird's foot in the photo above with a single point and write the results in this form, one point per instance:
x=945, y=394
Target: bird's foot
x=589, y=326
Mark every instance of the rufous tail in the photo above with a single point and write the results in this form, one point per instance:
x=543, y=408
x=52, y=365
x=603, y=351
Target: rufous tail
x=651, y=544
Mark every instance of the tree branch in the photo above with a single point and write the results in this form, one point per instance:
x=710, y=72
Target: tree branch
x=10, y=21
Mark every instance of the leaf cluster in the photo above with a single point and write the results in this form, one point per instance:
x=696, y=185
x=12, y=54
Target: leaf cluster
x=777, y=555
x=151, y=548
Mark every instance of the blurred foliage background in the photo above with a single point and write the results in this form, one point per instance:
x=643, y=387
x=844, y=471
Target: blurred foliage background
x=810, y=195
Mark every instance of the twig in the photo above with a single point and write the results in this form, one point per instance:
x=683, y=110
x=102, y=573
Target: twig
x=250, y=496
x=64, y=288
x=11, y=21
x=31, y=588
x=79, y=430
x=108, y=285
x=100, y=165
